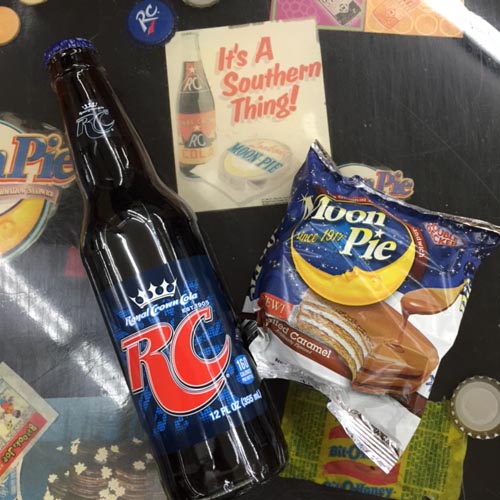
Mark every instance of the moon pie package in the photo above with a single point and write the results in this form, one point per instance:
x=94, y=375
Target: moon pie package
x=360, y=295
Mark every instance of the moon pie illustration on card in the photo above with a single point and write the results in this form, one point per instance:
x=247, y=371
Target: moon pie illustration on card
x=257, y=164
x=34, y=166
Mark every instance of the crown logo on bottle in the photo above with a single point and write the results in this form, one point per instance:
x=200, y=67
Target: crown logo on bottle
x=154, y=293
x=89, y=106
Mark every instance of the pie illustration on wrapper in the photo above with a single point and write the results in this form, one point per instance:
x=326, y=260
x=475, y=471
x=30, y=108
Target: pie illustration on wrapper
x=368, y=340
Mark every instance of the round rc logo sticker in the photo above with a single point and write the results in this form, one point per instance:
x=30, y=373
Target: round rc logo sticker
x=152, y=22
x=33, y=166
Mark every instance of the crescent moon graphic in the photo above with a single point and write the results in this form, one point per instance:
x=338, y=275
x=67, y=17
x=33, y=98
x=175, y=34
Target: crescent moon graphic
x=356, y=287
x=20, y=224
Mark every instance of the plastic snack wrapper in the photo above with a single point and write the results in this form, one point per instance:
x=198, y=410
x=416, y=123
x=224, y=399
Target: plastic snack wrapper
x=360, y=296
x=431, y=468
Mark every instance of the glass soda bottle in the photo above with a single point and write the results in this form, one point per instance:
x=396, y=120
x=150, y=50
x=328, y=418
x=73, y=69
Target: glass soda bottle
x=196, y=123
x=212, y=427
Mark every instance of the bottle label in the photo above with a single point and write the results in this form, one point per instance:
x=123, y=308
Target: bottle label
x=194, y=80
x=182, y=354
x=197, y=136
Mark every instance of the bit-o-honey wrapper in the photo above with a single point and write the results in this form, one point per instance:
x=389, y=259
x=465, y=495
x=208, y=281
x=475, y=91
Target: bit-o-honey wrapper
x=361, y=295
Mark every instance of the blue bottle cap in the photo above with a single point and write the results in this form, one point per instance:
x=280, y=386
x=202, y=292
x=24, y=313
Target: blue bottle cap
x=152, y=22
x=68, y=43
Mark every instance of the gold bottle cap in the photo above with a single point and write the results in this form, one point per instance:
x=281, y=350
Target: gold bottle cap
x=10, y=25
x=201, y=3
x=475, y=407
x=32, y=2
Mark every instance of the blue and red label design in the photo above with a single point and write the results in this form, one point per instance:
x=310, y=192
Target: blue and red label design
x=182, y=354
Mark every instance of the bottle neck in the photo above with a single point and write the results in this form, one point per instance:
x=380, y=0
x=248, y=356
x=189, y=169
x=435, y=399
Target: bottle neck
x=190, y=47
x=106, y=148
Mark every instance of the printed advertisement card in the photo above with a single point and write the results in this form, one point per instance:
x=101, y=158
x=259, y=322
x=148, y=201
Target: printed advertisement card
x=24, y=417
x=397, y=17
x=246, y=102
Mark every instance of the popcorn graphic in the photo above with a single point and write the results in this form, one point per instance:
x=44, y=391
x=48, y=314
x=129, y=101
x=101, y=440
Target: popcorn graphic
x=80, y=467
x=139, y=465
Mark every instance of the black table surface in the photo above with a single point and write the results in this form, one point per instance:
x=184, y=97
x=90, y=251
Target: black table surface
x=429, y=106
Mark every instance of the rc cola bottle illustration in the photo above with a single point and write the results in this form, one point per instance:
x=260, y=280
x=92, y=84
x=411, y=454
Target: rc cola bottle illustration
x=212, y=428
x=196, y=123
